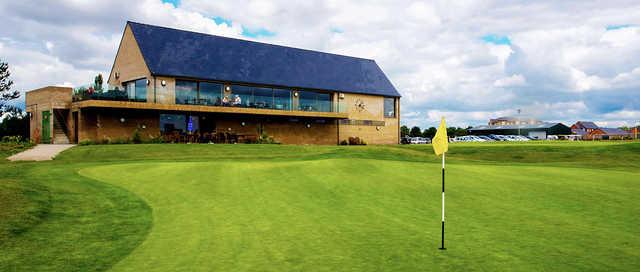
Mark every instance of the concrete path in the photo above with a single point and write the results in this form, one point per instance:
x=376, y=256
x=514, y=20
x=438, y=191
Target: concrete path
x=41, y=152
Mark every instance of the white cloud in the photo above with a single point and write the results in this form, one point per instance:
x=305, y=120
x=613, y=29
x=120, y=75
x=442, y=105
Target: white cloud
x=562, y=64
x=512, y=81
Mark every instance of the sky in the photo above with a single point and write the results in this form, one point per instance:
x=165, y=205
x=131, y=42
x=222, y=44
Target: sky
x=559, y=61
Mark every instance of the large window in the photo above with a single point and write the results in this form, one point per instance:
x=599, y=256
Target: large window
x=210, y=93
x=389, y=107
x=314, y=101
x=136, y=90
x=186, y=92
x=179, y=123
x=263, y=97
x=281, y=99
x=241, y=96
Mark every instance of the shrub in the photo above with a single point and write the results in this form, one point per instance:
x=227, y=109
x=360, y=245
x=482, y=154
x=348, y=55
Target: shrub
x=121, y=141
x=356, y=141
x=12, y=139
x=155, y=140
x=86, y=142
x=136, y=138
x=266, y=139
x=344, y=142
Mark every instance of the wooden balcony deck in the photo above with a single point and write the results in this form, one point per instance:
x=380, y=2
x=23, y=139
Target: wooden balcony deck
x=75, y=106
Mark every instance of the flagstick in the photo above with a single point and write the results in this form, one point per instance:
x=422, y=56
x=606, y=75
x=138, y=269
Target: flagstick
x=442, y=247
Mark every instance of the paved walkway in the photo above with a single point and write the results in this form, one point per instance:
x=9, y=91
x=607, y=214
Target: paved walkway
x=41, y=152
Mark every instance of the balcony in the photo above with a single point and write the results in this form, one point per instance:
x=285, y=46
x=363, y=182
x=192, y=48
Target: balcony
x=301, y=108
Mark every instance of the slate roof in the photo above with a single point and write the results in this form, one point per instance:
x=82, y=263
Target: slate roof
x=505, y=127
x=179, y=53
x=614, y=131
x=586, y=125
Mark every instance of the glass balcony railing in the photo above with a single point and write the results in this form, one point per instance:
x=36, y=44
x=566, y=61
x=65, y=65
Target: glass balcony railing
x=252, y=102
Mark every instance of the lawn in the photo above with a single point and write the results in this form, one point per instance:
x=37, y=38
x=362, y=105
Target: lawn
x=510, y=206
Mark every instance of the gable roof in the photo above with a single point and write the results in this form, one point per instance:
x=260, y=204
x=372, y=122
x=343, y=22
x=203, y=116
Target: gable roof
x=614, y=131
x=179, y=53
x=586, y=125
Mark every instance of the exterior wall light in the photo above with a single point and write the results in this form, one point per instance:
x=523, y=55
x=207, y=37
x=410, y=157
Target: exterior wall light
x=163, y=83
x=228, y=88
x=144, y=126
x=122, y=120
x=295, y=94
x=117, y=75
x=378, y=128
x=229, y=129
x=243, y=124
x=148, y=82
x=341, y=96
x=308, y=125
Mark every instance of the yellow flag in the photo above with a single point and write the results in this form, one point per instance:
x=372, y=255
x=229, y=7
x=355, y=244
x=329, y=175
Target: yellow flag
x=441, y=140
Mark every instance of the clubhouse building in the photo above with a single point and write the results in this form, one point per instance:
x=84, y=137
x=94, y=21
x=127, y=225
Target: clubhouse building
x=183, y=86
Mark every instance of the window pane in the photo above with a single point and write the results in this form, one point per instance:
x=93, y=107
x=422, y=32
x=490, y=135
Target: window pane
x=173, y=122
x=130, y=88
x=141, y=90
x=314, y=101
x=263, y=97
x=389, y=107
x=241, y=96
x=306, y=101
x=324, y=102
x=282, y=99
x=186, y=92
x=210, y=93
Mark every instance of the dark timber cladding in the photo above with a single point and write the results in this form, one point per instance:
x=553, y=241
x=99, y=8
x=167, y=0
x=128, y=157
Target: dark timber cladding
x=178, y=53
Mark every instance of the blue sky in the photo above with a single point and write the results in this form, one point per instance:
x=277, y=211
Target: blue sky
x=467, y=61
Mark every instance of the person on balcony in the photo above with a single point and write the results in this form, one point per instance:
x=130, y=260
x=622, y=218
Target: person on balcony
x=237, y=101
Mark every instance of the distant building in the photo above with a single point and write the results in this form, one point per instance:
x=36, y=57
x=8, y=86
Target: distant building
x=537, y=131
x=608, y=134
x=591, y=131
x=583, y=127
x=508, y=120
x=635, y=132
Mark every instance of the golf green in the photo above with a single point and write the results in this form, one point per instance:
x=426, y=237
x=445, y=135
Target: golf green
x=356, y=209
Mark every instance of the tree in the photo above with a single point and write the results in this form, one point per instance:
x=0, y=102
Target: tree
x=415, y=132
x=6, y=94
x=97, y=81
x=430, y=132
x=404, y=131
x=15, y=123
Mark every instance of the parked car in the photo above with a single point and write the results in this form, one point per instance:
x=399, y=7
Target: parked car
x=497, y=137
x=420, y=140
x=486, y=138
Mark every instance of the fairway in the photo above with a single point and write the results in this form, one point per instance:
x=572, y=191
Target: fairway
x=524, y=207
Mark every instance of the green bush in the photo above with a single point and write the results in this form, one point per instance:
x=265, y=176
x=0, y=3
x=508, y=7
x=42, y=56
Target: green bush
x=344, y=142
x=136, y=138
x=356, y=141
x=86, y=142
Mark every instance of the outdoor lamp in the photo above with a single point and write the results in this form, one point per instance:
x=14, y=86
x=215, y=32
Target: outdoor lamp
x=295, y=94
x=122, y=120
x=243, y=124
x=308, y=125
x=163, y=83
x=228, y=88
x=148, y=82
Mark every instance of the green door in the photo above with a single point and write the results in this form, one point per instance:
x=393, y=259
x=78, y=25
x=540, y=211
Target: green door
x=46, y=127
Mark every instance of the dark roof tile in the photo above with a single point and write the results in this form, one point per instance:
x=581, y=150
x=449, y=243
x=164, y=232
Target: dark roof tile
x=173, y=52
